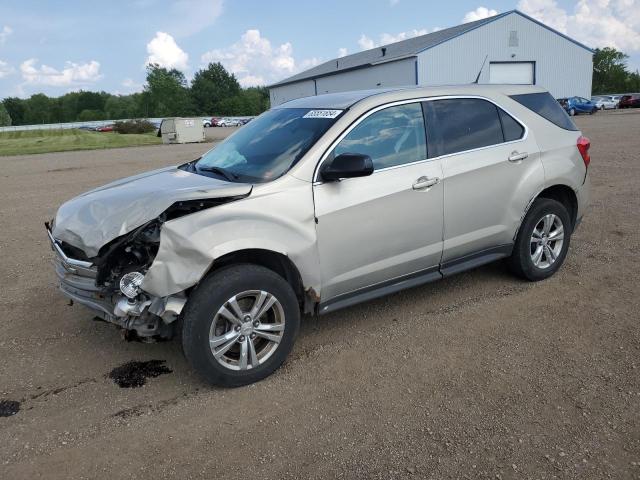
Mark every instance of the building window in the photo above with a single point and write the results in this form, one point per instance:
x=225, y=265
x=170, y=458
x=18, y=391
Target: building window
x=513, y=38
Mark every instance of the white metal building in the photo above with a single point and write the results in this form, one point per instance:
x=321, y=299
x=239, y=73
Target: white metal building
x=509, y=48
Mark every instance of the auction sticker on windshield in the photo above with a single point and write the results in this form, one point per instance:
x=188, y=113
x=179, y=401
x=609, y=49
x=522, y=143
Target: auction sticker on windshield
x=322, y=114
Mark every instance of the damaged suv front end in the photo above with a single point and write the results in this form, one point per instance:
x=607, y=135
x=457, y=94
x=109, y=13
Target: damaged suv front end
x=106, y=240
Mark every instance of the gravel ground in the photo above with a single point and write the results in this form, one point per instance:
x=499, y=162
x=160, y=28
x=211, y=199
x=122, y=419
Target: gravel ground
x=477, y=376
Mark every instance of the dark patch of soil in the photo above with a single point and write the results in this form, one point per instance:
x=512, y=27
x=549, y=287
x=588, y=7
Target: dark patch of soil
x=135, y=374
x=9, y=408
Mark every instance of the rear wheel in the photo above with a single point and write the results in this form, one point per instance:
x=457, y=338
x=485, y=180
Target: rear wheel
x=543, y=240
x=239, y=325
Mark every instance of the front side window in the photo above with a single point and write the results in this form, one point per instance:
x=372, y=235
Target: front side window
x=268, y=146
x=393, y=136
x=459, y=124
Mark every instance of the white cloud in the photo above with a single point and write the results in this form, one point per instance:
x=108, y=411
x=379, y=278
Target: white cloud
x=255, y=61
x=478, y=14
x=596, y=23
x=367, y=43
x=4, y=33
x=192, y=16
x=387, y=38
x=164, y=51
x=5, y=69
x=342, y=52
x=131, y=86
x=73, y=74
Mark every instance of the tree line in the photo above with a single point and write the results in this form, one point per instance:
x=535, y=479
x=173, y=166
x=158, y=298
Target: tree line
x=610, y=73
x=213, y=91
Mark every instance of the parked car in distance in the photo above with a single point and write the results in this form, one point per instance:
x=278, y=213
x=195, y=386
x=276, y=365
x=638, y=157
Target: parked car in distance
x=605, y=102
x=576, y=105
x=630, y=101
x=105, y=128
x=215, y=121
x=319, y=204
x=206, y=122
x=229, y=122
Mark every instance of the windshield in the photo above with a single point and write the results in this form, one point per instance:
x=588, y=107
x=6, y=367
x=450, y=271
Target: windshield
x=268, y=146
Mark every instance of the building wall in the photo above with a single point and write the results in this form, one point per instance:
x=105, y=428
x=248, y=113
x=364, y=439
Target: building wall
x=561, y=66
x=304, y=88
x=391, y=74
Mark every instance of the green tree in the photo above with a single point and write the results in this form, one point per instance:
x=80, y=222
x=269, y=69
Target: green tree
x=37, y=109
x=69, y=106
x=88, y=115
x=211, y=86
x=609, y=71
x=121, y=106
x=5, y=118
x=15, y=107
x=165, y=93
x=91, y=100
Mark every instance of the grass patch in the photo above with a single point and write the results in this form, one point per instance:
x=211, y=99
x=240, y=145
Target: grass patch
x=45, y=141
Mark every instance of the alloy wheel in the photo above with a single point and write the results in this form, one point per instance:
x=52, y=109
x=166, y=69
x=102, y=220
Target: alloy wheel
x=247, y=330
x=546, y=241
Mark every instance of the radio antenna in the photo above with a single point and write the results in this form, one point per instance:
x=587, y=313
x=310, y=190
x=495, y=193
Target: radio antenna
x=483, y=62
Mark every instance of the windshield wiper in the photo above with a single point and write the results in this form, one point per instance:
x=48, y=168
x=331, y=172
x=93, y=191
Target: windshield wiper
x=219, y=171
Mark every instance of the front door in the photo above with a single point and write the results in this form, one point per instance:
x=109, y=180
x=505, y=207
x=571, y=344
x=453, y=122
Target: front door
x=376, y=229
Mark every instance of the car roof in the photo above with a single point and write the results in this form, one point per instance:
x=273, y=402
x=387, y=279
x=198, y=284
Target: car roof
x=344, y=100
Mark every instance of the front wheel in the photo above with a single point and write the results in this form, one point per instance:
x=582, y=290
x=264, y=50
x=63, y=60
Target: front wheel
x=239, y=325
x=572, y=112
x=543, y=240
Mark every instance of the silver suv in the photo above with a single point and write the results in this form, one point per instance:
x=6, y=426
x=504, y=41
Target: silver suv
x=319, y=204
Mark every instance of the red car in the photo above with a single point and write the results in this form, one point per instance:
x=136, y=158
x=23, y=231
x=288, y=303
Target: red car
x=105, y=128
x=215, y=121
x=630, y=101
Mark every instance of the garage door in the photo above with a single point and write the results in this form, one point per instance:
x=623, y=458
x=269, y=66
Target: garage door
x=515, y=73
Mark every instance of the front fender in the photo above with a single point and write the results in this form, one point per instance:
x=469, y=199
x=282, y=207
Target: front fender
x=276, y=219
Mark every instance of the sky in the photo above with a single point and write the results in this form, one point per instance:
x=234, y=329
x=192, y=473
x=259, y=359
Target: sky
x=60, y=46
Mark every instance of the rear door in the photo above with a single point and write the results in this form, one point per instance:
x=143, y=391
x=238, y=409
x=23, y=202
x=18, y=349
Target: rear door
x=386, y=226
x=492, y=169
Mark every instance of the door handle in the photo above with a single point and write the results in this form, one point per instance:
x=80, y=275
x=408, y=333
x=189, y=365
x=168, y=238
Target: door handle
x=516, y=157
x=424, y=183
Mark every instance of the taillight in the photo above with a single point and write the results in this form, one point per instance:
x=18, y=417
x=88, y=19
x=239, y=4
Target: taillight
x=583, y=147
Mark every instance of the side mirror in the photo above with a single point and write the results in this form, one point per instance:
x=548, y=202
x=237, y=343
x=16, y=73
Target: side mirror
x=347, y=165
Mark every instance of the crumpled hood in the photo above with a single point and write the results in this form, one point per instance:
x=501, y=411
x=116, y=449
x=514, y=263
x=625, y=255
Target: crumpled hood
x=93, y=219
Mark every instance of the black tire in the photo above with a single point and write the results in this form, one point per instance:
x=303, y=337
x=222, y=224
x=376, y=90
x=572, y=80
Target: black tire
x=520, y=261
x=207, y=299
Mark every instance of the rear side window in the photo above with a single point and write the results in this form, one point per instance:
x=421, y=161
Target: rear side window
x=459, y=124
x=512, y=129
x=544, y=105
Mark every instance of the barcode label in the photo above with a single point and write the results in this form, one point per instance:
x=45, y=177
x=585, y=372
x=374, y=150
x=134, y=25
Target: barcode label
x=323, y=114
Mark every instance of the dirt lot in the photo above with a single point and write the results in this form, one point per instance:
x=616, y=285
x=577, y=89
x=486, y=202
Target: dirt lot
x=477, y=376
